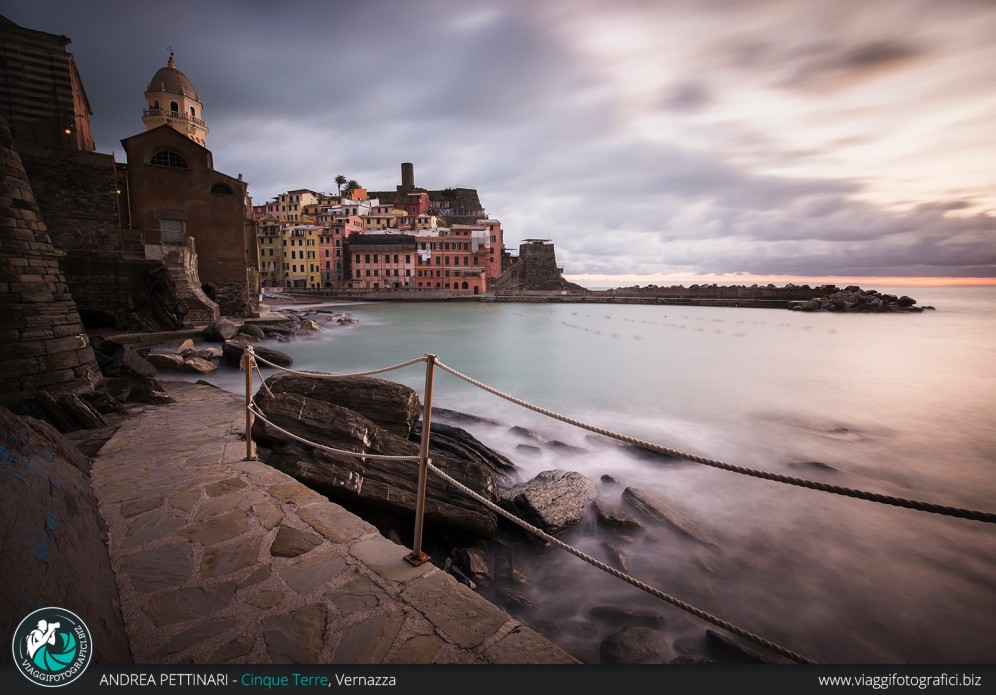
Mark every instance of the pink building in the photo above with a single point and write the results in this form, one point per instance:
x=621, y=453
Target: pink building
x=333, y=253
x=382, y=261
x=454, y=259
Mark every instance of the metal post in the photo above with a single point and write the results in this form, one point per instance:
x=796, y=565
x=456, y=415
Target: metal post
x=417, y=557
x=250, y=362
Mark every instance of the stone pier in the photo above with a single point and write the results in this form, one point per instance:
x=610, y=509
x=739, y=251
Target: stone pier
x=223, y=560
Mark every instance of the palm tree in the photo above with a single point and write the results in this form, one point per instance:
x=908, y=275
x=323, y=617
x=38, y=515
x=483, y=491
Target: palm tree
x=351, y=186
x=340, y=180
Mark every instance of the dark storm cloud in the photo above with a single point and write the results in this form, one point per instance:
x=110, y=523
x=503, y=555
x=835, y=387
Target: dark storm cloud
x=510, y=98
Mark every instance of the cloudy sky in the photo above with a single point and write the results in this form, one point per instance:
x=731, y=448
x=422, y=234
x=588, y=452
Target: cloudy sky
x=651, y=141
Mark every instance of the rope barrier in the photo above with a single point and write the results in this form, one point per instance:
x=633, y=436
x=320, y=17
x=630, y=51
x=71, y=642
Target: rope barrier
x=332, y=450
x=988, y=517
x=325, y=375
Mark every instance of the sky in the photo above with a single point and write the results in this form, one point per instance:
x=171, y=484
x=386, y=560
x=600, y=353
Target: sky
x=652, y=141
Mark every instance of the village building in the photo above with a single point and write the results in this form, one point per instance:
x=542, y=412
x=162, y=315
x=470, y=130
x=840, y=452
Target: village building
x=301, y=268
x=382, y=261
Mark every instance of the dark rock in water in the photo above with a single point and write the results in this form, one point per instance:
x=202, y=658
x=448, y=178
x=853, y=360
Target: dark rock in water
x=507, y=565
x=385, y=484
x=253, y=331
x=147, y=391
x=461, y=444
x=528, y=449
x=692, y=659
x=635, y=645
x=278, y=331
x=818, y=465
x=626, y=616
x=119, y=360
x=515, y=600
x=525, y=433
x=657, y=510
x=906, y=301
x=566, y=448
x=457, y=416
x=617, y=558
x=207, y=383
x=728, y=650
x=616, y=518
x=231, y=354
x=392, y=406
x=609, y=479
x=220, y=330
x=553, y=500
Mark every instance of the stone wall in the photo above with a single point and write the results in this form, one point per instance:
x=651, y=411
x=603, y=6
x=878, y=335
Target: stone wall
x=42, y=343
x=76, y=193
x=53, y=538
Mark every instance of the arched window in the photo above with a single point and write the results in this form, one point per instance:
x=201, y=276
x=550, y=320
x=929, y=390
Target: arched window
x=192, y=114
x=174, y=107
x=155, y=104
x=221, y=189
x=165, y=158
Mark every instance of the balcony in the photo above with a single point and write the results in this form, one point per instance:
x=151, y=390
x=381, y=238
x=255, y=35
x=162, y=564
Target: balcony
x=173, y=115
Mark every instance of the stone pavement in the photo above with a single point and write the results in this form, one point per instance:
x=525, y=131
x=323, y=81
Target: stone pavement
x=222, y=560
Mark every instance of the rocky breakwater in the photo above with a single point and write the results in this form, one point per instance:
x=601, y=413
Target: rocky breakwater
x=853, y=299
x=372, y=416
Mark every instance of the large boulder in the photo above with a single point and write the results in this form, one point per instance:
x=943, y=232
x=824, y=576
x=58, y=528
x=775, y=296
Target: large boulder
x=252, y=331
x=231, y=354
x=635, y=645
x=166, y=361
x=222, y=329
x=657, y=510
x=553, y=500
x=392, y=406
x=459, y=443
x=386, y=484
x=118, y=360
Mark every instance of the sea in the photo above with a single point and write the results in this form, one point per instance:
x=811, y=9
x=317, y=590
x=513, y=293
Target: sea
x=898, y=404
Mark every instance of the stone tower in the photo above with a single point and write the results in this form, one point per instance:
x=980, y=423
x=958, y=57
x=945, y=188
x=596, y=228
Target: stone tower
x=173, y=101
x=42, y=343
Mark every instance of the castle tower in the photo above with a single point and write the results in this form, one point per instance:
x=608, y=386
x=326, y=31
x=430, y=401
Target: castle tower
x=173, y=101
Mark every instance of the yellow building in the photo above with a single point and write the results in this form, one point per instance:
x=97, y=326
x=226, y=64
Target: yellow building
x=301, y=262
x=270, y=240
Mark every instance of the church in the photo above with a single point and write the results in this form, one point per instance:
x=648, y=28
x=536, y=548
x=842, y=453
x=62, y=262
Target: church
x=187, y=211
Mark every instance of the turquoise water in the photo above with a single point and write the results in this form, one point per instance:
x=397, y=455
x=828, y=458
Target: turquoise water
x=897, y=404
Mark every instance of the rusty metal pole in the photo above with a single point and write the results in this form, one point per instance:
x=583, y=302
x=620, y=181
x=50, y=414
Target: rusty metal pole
x=250, y=362
x=417, y=557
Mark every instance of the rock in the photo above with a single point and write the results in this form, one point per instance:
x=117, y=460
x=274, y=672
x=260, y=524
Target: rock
x=528, y=449
x=553, y=500
x=254, y=332
x=291, y=542
x=657, y=510
x=172, y=363
x=477, y=565
x=635, y=645
x=391, y=406
x=221, y=330
x=231, y=354
x=196, y=364
x=459, y=443
x=818, y=465
x=626, y=616
x=616, y=518
x=389, y=485
x=516, y=600
x=609, y=479
x=187, y=344
x=729, y=650
x=118, y=360
x=617, y=557
x=525, y=433
x=308, y=325
x=147, y=391
x=457, y=416
x=566, y=448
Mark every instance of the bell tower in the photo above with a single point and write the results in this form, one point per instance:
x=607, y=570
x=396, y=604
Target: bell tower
x=173, y=101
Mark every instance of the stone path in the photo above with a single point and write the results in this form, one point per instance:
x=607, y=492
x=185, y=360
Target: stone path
x=221, y=560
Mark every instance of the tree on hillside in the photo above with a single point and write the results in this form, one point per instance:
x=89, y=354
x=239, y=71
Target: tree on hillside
x=351, y=186
x=340, y=181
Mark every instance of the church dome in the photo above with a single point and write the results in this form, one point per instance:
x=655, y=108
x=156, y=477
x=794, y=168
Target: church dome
x=171, y=80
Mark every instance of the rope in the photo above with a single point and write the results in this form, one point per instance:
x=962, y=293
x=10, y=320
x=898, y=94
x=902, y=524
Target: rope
x=678, y=603
x=325, y=375
x=988, y=517
x=345, y=452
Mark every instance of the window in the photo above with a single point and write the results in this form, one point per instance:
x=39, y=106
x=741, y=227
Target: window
x=174, y=107
x=166, y=158
x=192, y=114
x=171, y=230
x=408, y=258
x=155, y=104
x=221, y=189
